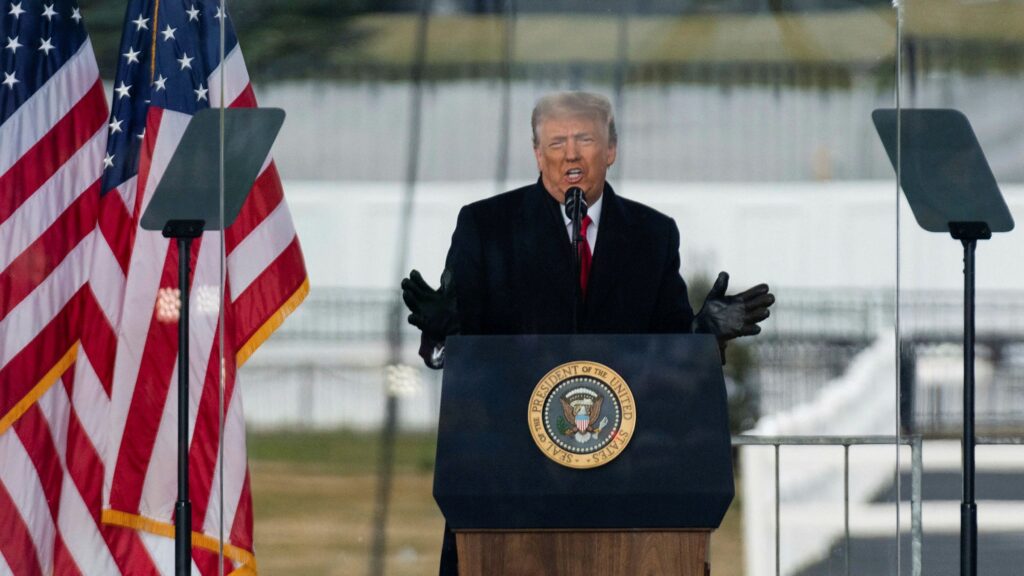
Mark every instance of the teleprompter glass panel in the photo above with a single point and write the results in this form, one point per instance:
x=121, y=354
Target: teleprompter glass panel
x=967, y=58
x=746, y=123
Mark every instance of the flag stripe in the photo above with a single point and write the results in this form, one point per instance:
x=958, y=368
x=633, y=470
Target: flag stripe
x=5, y=570
x=277, y=284
x=49, y=201
x=106, y=283
x=166, y=127
x=246, y=97
x=82, y=462
x=116, y=518
x=160, y=549
x=86, y=436
x=203, y=329
x=115, y=223
x=50, y=248
x=59, y=95
x=153, y=266
x=229, y=444
x=235, y=75
x=28, y=496
x=128, y=551
x=47, y=381
x=235, y=470
x=52, y=349
x=85, y=542
x=156, y=493
x=21, y=325
x=16, y=543
x=206, y=561
x=52, y=151
x=241, y=532
x=84, y=551
x=267, y=195
x=39, y=445
x=82, y=496
x=99, y=341
x=251, y=257
x=206, y=443
x=43, y=433
x=133, y=459
x=272, y=323
x=137, y=313
x=63, y=563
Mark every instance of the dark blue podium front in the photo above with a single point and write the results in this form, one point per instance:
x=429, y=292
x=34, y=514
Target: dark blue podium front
x=675, y=473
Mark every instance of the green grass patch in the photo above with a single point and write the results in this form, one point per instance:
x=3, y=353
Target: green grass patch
x=341, y=451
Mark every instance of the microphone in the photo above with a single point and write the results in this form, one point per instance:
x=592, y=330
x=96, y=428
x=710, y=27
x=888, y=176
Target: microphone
x=576, y=210
x=575, y=204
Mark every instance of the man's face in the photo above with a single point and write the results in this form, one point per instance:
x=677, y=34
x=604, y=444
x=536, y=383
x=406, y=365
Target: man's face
x=573, y=151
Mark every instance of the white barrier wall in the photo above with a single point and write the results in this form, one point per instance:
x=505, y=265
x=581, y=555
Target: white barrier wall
x=801, y=234
x=725, y=131
x=326, y=386
x=861, y=402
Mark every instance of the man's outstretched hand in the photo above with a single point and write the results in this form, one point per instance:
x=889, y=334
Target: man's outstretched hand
x=729, y=317
x=433, y=311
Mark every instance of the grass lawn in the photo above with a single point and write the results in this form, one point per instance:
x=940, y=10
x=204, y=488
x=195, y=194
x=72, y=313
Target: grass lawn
x=314, y=498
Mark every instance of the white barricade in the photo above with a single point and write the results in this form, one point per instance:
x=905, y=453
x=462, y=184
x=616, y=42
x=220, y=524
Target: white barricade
x=861, y=402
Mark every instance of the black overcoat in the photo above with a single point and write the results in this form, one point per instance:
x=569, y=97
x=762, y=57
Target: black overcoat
x=512, y=265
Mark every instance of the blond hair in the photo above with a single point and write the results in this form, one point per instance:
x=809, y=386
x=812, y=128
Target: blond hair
x=574, y=104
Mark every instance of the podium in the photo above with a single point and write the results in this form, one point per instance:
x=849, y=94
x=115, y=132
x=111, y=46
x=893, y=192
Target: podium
x=583, y=454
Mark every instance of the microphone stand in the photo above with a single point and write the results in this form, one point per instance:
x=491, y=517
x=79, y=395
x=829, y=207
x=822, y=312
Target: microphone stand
x=574, y=204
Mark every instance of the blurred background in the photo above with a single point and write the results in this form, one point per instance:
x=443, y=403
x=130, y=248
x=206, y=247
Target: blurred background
x=748, y=121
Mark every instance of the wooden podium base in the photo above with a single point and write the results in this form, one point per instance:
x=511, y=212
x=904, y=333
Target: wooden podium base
x=584, y=553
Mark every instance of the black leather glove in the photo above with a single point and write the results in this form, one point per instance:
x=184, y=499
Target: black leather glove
x=433, y=311
x=729, y=317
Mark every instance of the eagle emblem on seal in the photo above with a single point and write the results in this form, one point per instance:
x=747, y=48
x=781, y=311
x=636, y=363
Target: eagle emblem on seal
x=581, y=408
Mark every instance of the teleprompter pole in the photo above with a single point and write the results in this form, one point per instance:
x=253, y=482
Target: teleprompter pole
x=968, y=233
x=183, y=508
x=183, y=231
x=968, y=507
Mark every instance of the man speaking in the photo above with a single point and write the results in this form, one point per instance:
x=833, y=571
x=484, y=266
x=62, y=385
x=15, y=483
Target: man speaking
x=511, y=268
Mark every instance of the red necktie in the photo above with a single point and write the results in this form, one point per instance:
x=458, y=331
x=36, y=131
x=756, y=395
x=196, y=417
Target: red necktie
x=585, y=256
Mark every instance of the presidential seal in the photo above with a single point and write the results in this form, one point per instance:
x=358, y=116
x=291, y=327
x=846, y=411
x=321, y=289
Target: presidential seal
x=582, y=414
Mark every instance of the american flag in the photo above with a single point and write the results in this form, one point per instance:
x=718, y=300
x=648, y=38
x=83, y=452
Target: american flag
x=52, y=136
x=113, y=430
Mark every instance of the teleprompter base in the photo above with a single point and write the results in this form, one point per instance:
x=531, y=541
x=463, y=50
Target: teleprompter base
x=583, y=553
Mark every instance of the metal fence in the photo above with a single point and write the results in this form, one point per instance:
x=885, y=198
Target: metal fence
x=850, y=315
x=916, y=445
x=846, y=442
x=811, y=339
